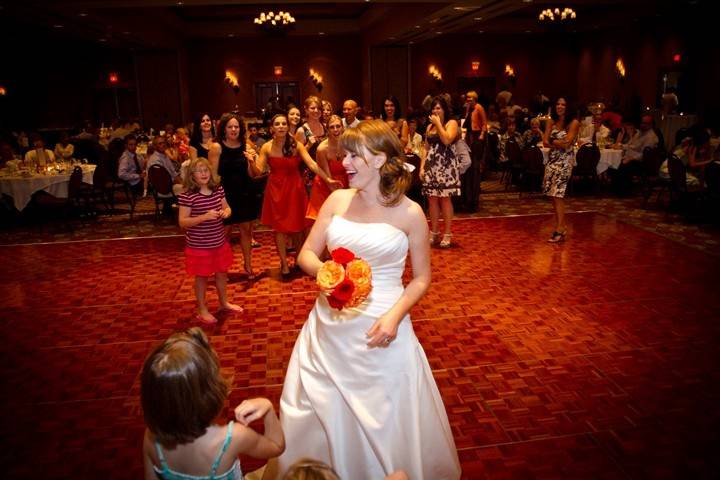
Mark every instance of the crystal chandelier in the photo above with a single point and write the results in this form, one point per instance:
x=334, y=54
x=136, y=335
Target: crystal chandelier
x=552, y=15
x=275, y=21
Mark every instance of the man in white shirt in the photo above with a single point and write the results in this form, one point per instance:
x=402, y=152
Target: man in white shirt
x=643, y=138
x=350, y=109
x=632, y=156
x=159, y=158
x=596, y=132
x=40, y=156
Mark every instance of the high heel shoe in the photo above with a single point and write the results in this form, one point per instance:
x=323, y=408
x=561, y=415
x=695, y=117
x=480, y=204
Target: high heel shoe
x=557, y=237
x=433, y=238
x=446, y=241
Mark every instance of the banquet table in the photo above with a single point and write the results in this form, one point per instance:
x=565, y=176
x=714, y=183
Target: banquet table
x=609, y=158
x=21, y=187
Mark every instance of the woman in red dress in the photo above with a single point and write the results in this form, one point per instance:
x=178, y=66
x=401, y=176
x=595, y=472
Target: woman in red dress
x=329, y=158
x=285, y=199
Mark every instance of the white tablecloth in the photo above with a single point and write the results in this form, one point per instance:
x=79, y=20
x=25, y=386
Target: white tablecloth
x=609, y=158
x=22, y=188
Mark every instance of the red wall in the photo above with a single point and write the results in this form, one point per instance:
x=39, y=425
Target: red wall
x=580, y=65
x=337, y=59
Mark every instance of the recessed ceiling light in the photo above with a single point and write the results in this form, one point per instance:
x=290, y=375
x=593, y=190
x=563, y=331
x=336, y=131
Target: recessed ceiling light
x=102, y=40
x=438, y=33
x=57, y=25
x=481, y=31
x=321, y=33
x=179, y=4
x=434, y=20
x=392, y=38
x=527, y=1
x=231, y=35
x=410, y=42
x=527, y=31
x=478, y=18
x=82, y=14
x=126, y=32
x=417, y=26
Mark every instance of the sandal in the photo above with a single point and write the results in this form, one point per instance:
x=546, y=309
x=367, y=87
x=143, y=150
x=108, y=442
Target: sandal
x=433, y=238
x=557, y=237
x=446, y=241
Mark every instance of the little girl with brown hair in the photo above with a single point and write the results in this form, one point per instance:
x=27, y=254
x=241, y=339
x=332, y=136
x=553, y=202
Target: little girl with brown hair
x=182, y=393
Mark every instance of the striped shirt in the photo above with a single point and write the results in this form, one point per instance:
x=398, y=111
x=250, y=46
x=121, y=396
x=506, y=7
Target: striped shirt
x=210, y=233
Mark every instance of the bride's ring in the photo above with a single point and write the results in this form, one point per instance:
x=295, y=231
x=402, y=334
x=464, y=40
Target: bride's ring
x=388, y=340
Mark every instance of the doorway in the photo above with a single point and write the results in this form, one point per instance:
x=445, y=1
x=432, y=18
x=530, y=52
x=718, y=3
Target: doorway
x=274, y=97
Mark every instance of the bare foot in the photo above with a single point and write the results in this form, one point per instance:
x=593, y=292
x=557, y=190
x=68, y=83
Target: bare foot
x=206, y=317
x=231, y=307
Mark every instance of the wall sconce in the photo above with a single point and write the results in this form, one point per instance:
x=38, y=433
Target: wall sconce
x=113, y=78
x=277, y=70
x=232, y=80
x=620, y=67
x=510, y=74
x=475, y=66
x=3, y=91
x=435, y=73
x=316, y=79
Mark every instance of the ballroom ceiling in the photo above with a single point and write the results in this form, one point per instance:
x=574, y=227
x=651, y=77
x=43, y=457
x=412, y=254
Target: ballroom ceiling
x=167, y=23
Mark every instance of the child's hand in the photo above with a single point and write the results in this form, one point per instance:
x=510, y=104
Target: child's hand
x=250, y=410
x=212, y=214
x=225, y=213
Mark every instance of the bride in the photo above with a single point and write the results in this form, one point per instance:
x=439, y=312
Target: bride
x=359, y=393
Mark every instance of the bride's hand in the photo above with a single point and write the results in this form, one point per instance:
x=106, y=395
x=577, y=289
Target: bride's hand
x=383, y=332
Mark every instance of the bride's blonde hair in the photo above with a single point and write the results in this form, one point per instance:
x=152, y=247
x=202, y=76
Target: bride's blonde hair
x=378, y=138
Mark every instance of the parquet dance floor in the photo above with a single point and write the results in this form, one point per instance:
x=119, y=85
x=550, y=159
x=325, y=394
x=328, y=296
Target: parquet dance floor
x=596, y=358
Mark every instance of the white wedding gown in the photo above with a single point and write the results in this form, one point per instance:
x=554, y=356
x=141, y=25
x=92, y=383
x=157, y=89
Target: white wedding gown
x=365, y=411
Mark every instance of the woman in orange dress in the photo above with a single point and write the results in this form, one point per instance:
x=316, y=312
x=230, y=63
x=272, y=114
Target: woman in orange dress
x=285, y=200
x=329, y=158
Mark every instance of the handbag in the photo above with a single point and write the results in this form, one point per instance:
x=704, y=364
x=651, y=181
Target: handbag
x=462, y=155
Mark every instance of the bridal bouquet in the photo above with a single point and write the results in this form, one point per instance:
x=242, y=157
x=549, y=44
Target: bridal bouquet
x=348, y=278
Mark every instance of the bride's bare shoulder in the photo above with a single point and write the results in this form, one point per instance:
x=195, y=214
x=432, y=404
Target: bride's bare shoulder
x=411, y=215
x=339, y=200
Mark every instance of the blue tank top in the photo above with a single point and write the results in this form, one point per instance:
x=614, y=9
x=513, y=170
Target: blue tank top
x=234, y=473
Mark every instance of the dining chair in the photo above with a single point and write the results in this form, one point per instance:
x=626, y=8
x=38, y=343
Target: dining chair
x=686, y=199
x=513, y=166
x=534, y=168
x=161, y=183
x=586, y=162
x=650, y=179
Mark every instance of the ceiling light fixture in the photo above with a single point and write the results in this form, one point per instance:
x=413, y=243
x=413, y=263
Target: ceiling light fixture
x=275, y=22
x=555, y=15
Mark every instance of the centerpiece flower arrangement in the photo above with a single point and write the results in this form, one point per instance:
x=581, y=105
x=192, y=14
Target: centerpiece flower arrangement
x=347, y=278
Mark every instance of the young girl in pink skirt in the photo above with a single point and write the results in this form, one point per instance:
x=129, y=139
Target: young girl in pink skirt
x=202, y=210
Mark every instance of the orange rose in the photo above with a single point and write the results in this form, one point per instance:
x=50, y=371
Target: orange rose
x=359, y=272
x=330, y=275
x=359, y=295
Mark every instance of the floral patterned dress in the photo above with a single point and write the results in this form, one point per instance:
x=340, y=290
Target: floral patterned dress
x=442, y=178
x=558, y=168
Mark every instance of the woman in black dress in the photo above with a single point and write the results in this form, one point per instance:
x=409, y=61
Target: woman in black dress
x=203, y=135
x=230, y=162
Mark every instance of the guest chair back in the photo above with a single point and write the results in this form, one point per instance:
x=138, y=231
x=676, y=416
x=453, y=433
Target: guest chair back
x=161, y=183
x=534, y=167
